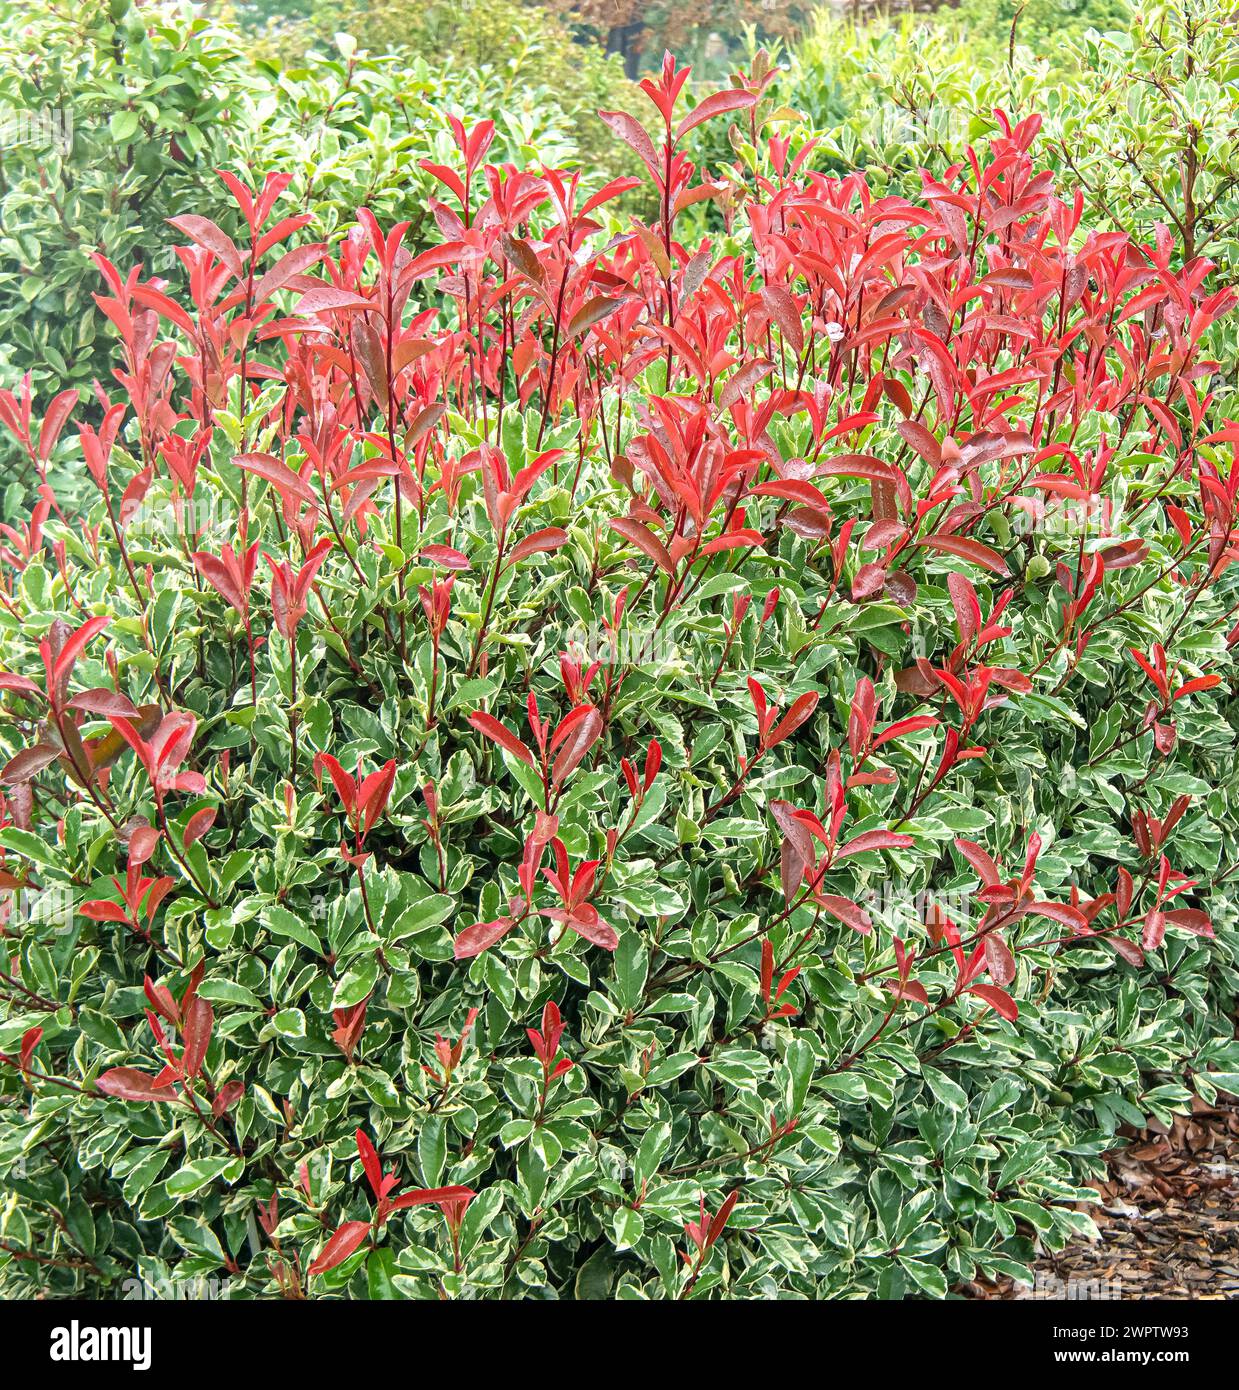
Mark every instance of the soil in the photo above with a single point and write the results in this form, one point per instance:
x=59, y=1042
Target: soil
x=1167, y=1225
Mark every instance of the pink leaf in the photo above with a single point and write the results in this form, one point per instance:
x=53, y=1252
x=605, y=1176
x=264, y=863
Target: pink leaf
x=964, y=548
x=998, y=959
x=849, y=913
x=875, y=839
x=716, y=105
x=196, y=1033
x=645, y=540
x=425, y=1196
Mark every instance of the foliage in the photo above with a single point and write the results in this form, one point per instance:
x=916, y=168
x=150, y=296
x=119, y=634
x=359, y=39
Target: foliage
x=153, y=101
x=1160, y=111
x=1156, y=95
x=1143, y=119
x=710, y=29
x=521, y=56
x=133, y=99
x=570, y=763
x=1044, y=26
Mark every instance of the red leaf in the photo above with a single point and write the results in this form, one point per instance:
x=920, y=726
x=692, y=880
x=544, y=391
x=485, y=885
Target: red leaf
x=30, y=1040
x=127, y=1083
x=29, y=763
x=720, y=1220
x=645, y=540
x=74, y=647
x=498, y=733
x=783, y=309
x=425, y=1196
x=998, y=999
x=590, y=313
x=340, y=1246
x=986, y=869
x=226, y=1097
x=205, y=233
x=967, y=549
x=913, y=725
x=20, y=685
x=219, y=577
x=370, y=1164
x=634, y=135
x=198, y=825
x=550, y=538
x=866, y=466
x=875, y=839
x=279, y=475
x=733, y=540
x=196, y=1034
x=105, y=702
x=1200, y=683
x=1130, y=952
x=848, y=912
x=291, y=264
x=142, y=844
x=373, y=794
x=480, y=937
x=1010, y=278
x=718, y=104
x=791, y=490
x=1060, y=912
x=586, y=922
x=998, y=959
x=1191, y=919
x=101, y=910
x=54, y=421
x=801, y=709
x=444, y=556
x=967, y=609
x=909, y=989
x=327, y=297
x=586, y=732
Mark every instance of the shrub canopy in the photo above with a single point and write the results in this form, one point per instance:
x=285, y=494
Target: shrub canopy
x=595, y=758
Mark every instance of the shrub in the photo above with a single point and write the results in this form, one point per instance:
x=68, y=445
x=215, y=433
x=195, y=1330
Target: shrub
x=132, y=110
x=1153, y=89
x=130, y=101
x=1141, y=118
x=569, y=764
x=521, y=58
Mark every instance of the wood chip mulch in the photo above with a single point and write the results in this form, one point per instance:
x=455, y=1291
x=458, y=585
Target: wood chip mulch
x=1167, y=1224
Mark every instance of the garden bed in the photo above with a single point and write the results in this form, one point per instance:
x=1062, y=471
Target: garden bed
x=1167, y=1225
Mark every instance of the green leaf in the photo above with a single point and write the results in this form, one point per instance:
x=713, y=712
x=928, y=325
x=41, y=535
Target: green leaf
x=192, y=1177
x=628, y=1228
x=420, y=916
x=282, y=923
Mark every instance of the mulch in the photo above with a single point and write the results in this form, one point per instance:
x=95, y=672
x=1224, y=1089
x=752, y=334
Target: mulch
x=1167, y=1225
